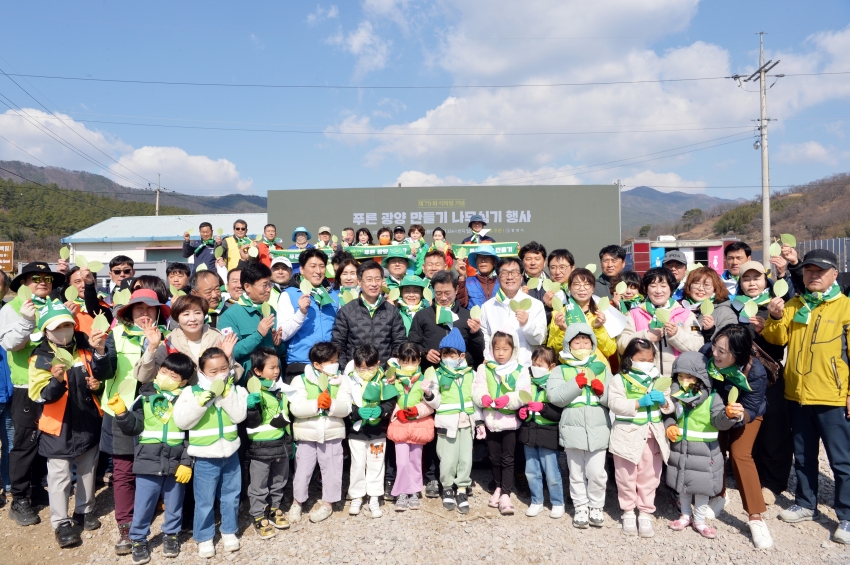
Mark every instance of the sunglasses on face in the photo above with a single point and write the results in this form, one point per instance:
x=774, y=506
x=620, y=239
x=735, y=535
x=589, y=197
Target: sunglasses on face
x=122, y=271
x=38, y=279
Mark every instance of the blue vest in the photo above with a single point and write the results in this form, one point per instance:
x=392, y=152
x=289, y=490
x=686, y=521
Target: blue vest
x=5, y=378
x=317, y=326
x=476, y=292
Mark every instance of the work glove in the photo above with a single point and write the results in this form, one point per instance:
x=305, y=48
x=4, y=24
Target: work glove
x=658, y=397
x=597, y=387
x=523, y=413
x=535, y=406
x=324, y=400
x=673, y=433
x=480, y=432
x=254, y=400
x=646, y=400
x=369, y=412
x=501, y=402
x=487, y=401
x=116, y=404
x=205, y=397
x=581, y=380
x=183, y=474
x=401, y=417
x=411, y=413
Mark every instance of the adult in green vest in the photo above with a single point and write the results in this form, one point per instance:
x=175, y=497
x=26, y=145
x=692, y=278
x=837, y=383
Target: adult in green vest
x=695, y=467
x=582, y=390
x=17, y=336
x=136, y=338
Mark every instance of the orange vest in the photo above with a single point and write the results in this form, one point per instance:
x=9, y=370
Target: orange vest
x=53, y=413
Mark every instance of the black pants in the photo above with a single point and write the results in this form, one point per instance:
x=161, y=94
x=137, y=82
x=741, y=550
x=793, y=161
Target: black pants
x=430, y=461
x=502, y=446
x=389, y=461
x=26, y=467
x=774, y=448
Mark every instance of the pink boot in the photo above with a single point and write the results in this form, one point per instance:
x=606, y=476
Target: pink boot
x=506, y=508
x=494, y=500
x=680, y=524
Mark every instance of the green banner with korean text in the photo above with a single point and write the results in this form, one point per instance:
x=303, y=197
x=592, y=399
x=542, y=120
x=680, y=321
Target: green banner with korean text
x=503, y=249
x=292, y=254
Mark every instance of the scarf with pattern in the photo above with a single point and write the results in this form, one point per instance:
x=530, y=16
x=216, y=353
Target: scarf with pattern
x=655, y=323
x=812, y=300
x=731, y=373
x=627, y=304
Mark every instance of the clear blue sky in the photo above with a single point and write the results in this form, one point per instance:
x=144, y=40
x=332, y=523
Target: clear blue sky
x=426, y=136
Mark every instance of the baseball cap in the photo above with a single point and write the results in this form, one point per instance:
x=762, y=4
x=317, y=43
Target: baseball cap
x=281, y=261
x=752, y=266
x=821, y=258
x=399, y=228
x=675, y=255
x=324, y=229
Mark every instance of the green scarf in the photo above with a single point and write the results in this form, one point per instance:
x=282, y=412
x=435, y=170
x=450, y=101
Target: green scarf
x=161, y=403
x=38, y=302
x=540, y=382
x=647, y=305
x=445, y=314
x=407, y=310
x=407, y=379
x=322, y=297
x=508, y=382
x=812, y=300
x=270, y=242
x=370, y=307
x=500, y=296
x=249, y=304
x=447, y=375
x=596, y=367
x=636, y=381
x=391, y=283
x=204, y=244
x=627, y=304
x=573, y=313
x=242, y=241
x=732, y=374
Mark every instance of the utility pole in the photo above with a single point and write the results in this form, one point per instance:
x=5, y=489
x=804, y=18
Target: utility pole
x=158, y=182
x=761, y=75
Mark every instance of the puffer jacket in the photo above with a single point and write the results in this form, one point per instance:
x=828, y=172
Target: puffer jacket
x=628, y=439
x=818, y=369
x=308, y=422
x=696, y=467
x=494, y=420
x=366, y=431
x=354, y=326
x=187, y=413
x=687, y=338
x=723, y=316
x=268, y=450
x=420, y=430
x=754, y=401
x=152, y=458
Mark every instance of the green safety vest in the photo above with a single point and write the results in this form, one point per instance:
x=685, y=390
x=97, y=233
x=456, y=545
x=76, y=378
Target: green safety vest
x=214, y=425
x=157, y=432
x=495, y=388
x=539, y=395
x=412, y=398
x=457, y=397
x=313, y=390
x=695, y=423
x=272, y=406
x=19, y=361
x=128, y=355
x=644, y=415
x=586, y=398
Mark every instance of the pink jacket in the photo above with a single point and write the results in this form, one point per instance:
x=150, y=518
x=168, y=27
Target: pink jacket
x=687, y=338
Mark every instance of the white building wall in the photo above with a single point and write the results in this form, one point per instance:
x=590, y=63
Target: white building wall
x=104, y=252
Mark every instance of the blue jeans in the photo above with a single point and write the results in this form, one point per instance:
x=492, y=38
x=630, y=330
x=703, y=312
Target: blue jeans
x=148, y=490
x=540, y=461
x=7, y=432
x=216, y=479
x=827, y=423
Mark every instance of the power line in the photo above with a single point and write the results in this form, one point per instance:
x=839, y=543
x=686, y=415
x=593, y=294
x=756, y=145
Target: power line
x=390, y=87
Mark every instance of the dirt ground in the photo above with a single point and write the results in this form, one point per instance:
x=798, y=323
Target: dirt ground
x=433, y=535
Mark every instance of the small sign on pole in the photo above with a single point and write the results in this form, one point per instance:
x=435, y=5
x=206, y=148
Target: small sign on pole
x=7, y=254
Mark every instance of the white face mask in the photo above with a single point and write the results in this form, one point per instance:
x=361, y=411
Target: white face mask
x=61, y=336
x=646, y=367
x=330, y=369
x=452, y=363
x=538, y=372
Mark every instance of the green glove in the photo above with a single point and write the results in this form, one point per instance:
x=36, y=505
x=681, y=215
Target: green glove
x=205, y=397
x=254, y=400
x=369, y=412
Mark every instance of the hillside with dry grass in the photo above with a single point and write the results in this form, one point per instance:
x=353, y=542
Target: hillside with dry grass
x=817, y=210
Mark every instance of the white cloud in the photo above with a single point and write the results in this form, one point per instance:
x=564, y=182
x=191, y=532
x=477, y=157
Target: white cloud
x=258, y=43
x=806, y=153
x=194, y=174
x=663, y=182
x=322, y=14
x=396, y=10
x=369, y=48
x=540, y=176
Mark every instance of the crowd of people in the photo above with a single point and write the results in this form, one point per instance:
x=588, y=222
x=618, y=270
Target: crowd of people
x=238, y=374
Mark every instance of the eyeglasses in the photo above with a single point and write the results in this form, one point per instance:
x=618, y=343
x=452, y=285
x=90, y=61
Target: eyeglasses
x=560, y=268
x=241, y=229
x=264, y=286
x=702, y=286
x=510, y=274
x=580, y=285
x=46, y=279
x=122, y=271
x=373, y=281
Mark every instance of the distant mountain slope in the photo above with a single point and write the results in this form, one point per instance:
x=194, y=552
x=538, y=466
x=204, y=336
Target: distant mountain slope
x=645, y=205
x=89, y=182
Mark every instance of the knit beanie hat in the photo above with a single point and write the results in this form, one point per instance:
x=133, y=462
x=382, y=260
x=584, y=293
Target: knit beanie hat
x=454, y=339
x=52, y=315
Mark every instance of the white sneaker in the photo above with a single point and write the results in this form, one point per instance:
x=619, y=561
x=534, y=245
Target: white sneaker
x=356, y=505
x=597, y=517
x=206, y=549
x=533, y=510
x=231, y=542
x=630, y=523
x=580, y=518
x=645, y=528
x=760, y=533
x=375, y=507
x=716, y=504
x=557, y=512
x=294, y=514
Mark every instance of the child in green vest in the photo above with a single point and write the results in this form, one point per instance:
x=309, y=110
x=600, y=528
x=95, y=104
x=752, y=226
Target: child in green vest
x=411, y=425
x=582, y=390
x=373, y=401
x=455, y=421
x=539, y=436
x=695, y=468
x=638, y=438
x=496, y=390
x=269, y=443
x=210, y=411
x=321, y=400
x=162, y=464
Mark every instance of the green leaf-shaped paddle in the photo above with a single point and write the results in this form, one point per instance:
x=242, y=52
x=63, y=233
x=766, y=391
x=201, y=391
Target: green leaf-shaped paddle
x=305, y=286
x=71, y=293
x=95, y=267
x=430, y=374
x=347, y=296
x=440, y=245
x=393, y=295
x=621, y=287
x=591, y=267
x=64, y=253
x=329, y=271
x=172, y=289
x=707, y=307
x=515, y=306
x=100, y=323
x=751, y=308
x=253, y=252
x=217, y=387
x=428, y=294
x=603, y=304
x=775, y=249
x=201, y=267
x=254, y=385
x=335, y=238
x=266, y=309
x=219, y=251
x=24, y=293
x=550, y=285
x=81, y=261
x=190, y=230
x=780, y=288
x=462, y=254
x=788, y=239
x=733, y=395
x=662, y=384
x=475, y=312
x=533, y=282
x=557, y=304
x=127, y=386
x=322, y=380
x=219, y=231
x=525, y=396
x=662, y=315
x=525, y=304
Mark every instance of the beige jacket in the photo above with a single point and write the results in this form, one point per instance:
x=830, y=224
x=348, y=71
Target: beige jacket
x=686, y=339
x=147, y=368
x=628, y=439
